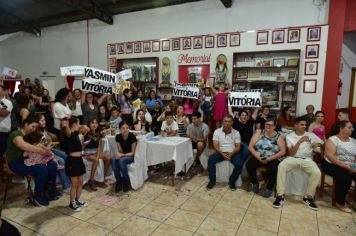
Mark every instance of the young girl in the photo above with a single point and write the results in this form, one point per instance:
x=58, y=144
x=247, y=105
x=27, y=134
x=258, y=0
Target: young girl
x=127, y=107
x=207, y=106
x=92, y=150
x=220, y=106
x=182, y=121
x=74, y=165
x=126, y=145
x=140, y=123
x=103, y=117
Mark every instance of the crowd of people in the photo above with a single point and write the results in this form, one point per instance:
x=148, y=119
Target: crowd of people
x=45, y=136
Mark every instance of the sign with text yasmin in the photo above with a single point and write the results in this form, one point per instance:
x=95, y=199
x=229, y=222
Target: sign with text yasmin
x=245, y=99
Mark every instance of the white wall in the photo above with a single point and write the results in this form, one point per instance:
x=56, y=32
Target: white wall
x=348, y=60
x=66, y=44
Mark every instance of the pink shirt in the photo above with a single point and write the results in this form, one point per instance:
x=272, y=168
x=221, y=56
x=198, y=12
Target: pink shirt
x=188, y=109
x=36, y=158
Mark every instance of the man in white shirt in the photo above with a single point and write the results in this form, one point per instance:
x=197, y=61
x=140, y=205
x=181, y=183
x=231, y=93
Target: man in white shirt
x=227, y=146
x=169, y=126
x=5, y=120
x=300, y=146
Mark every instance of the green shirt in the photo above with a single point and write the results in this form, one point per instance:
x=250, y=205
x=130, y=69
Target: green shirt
x=13, y=152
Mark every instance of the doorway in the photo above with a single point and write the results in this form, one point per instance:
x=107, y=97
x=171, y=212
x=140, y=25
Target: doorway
x=352, y=97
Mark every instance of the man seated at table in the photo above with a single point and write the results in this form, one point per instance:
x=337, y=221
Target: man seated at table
x=300, y=145
x=226, y=142
x=198, y=132
x=169, y=126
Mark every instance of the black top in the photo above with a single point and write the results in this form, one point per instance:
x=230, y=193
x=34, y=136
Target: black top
x=72, y=144
x=126, y=144
x=245, y=130
x=262, y=121
x=94, y=141
x=353, y=134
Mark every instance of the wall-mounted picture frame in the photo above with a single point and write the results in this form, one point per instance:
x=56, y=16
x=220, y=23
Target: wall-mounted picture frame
x=242, y=74
x=277, y=36
x=293, y=36
x=209, y=41
x=262, y=37
x=155, y=46
x=311, y=68
x=198, y=42
x=314, y=34
x=187, y=43
x=120, y=48
x=312, y=51
x=221, y=40
x=176, y=44
x=113, y=70
x=137, y=47
x=166, y=45
x=128, y=48
x=147, y=46
x=279, y=62
x=293, y=62
x=112, y=62
x=235, y=40
x=112, y=49
x=309, y=86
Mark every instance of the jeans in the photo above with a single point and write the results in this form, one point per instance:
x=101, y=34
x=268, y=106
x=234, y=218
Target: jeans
x=120, y=168
x=237, y=160
x=41, y=173
x=244, y=151
x=62, y=157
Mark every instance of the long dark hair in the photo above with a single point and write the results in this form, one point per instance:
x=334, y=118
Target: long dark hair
x=61, y=94
x=335, y=129
x=284, y=111
x=127, y=100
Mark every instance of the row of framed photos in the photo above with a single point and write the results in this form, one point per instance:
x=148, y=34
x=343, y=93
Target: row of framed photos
x=278, y=36
x=185, y=43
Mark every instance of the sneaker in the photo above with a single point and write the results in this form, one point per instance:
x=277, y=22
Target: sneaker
x=278, y=202
x=210, y=185
x=81, y=203
x=126, y=186
x=73, y=206
x=255, y=188
x=92, y=185
x=310, y=202
x=232, y=187
x=41, y=202
x=267, y=193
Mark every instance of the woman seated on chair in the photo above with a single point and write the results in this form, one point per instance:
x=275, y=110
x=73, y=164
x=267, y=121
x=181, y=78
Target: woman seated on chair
x=140, y=123
x=126, y=145
x=92, y=150
x=16, y=146
x=339, y=162
x=266, y=147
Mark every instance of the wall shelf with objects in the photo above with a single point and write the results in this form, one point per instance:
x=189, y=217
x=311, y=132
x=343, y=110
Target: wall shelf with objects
x=276, y=72
x=144, y=72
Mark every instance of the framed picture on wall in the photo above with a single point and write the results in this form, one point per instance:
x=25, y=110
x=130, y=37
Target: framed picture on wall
x=222, y=40
x=113, y=70
x=262, y=37
x=197, y=42
x=112, y=62
x=176, y=44
x=147, y=46
x=209, y=41
x=311, y=68
x=293, y=35
x=309, y=86
x=277, y=36
x=112, y=49
x=312, y=51
x=120, y=48
x=187, y=43
x=155, y=46
x=234, y=40
x=293, y=62
x=166, y=45
x=137, y=47
x=128, y=47
x=314, y=34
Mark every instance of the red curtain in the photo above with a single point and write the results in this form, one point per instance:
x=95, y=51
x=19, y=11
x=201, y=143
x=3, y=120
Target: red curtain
x=10, y=85
x=70, y=81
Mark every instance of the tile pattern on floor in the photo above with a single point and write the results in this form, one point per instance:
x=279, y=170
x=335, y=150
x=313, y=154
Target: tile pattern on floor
x=184, y=209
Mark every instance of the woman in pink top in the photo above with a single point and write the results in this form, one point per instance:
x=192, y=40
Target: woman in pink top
x=220, y=104
x=188, y=106
x=317, y=127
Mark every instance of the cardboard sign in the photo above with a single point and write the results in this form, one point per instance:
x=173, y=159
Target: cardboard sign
x=121, y=86
x=97, y=88
x=96, y=76
x=124, y=75
x=137, y=103
x=9, y=72
x=72, y=70
x=245, y=99
x=195, y=85
x=186, y=92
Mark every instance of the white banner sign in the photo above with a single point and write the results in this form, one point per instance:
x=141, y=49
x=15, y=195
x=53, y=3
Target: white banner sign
x=72, y=70
x=124, y=75
x=97, y=88
x=245, y=99
x=186, y=92
x=9, y=72
x=96, y=76
x=195, y=85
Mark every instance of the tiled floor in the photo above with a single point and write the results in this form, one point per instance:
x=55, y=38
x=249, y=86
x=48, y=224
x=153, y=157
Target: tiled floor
x=185, y=209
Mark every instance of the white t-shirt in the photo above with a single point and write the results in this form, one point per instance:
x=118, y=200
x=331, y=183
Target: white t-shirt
x=305, y=150
x=59, y=112
x=5, y=122
x=173, y=126
x=345, y=151
x=227, y=142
